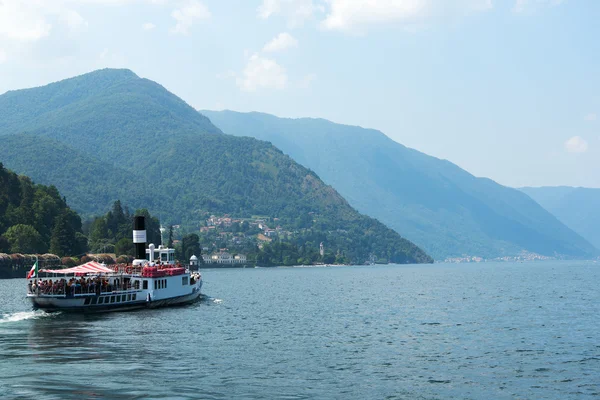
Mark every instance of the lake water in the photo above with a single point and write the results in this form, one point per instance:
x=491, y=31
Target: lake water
x=496, y=331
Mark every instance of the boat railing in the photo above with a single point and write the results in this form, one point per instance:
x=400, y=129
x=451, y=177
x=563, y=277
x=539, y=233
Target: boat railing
x=62, y=288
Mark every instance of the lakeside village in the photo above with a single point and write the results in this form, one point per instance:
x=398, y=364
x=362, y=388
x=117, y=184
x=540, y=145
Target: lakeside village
x=525, y=256
x=226, y=241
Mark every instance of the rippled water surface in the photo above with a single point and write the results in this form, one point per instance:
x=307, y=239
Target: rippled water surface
x=494, y=331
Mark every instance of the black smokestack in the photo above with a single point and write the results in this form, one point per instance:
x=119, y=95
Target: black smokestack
x=139, y=237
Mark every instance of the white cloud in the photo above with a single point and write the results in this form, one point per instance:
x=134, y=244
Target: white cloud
x=148, y=26
x=187, y=15
x=3, y=56
x=591, y=117
x=268, y=8
x=355, y=15
x=523, y=6
x=23, y=21
x=281, y=42
x=295, y=11
x=73, y=19
x=262, y=73
x=576, y=144
x=32, y=20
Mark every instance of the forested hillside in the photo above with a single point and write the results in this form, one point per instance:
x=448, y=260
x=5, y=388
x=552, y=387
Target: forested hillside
x=439, y=206
x=122, y=137
x=36, y=156
x=36, y=219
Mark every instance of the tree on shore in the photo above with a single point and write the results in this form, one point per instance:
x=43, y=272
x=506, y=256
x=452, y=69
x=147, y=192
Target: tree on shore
x=63, y=241
x=24, y=239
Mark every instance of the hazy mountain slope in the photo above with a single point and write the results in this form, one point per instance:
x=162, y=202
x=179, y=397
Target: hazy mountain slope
x=119, y=133
x=439, y=206
x=576, y=207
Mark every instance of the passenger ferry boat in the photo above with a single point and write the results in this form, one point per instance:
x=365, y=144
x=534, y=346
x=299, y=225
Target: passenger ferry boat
x=153, y=280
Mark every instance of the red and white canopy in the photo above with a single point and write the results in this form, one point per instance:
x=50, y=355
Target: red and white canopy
x=87, y=268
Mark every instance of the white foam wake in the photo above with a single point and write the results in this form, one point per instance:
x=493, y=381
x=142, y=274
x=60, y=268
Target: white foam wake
x=21, y=316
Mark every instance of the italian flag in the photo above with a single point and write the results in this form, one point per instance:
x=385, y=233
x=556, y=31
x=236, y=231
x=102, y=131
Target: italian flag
x=33, y=272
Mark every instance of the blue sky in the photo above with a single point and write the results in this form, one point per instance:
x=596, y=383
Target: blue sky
x=507, y=89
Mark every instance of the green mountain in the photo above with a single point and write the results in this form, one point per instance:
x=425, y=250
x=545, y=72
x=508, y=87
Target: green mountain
x=38, y=156
x=439, y=206
x=111, y=135
x=576, y=207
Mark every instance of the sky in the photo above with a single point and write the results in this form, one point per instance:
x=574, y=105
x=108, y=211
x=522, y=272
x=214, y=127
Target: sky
x=506, y=89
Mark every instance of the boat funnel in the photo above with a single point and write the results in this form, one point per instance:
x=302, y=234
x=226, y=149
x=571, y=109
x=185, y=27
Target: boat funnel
x=139, y=237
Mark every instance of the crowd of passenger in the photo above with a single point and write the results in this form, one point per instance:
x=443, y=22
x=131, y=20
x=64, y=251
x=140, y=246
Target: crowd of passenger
x=76, y=286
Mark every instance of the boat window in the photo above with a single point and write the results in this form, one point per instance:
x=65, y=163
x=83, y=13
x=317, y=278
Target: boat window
x=165, y=284
x=128, y=297
x=94, y=300
x=184, y=280
x=145, y=284
x=87, y=301
x=100, y=300
x=155, y=285
x=163, y=256
x=134, y=296
x=112, y=299
x=118, y=299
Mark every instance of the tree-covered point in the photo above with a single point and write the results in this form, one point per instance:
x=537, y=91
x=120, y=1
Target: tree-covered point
x=36, y=218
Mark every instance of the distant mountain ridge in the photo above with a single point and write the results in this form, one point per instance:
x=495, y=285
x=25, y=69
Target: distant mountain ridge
x=439, y=206
x=576, y=207
x=111, y=135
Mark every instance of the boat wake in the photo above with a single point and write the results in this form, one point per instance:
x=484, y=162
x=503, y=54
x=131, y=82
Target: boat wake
x=22, y=316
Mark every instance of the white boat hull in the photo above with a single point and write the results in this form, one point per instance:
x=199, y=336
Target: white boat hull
x=121, y=301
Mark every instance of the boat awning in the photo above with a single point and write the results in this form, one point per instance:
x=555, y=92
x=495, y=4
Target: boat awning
x=87, y=268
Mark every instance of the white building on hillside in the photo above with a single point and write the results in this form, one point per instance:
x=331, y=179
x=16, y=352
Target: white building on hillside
x=225, y=258
x=240, y=259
